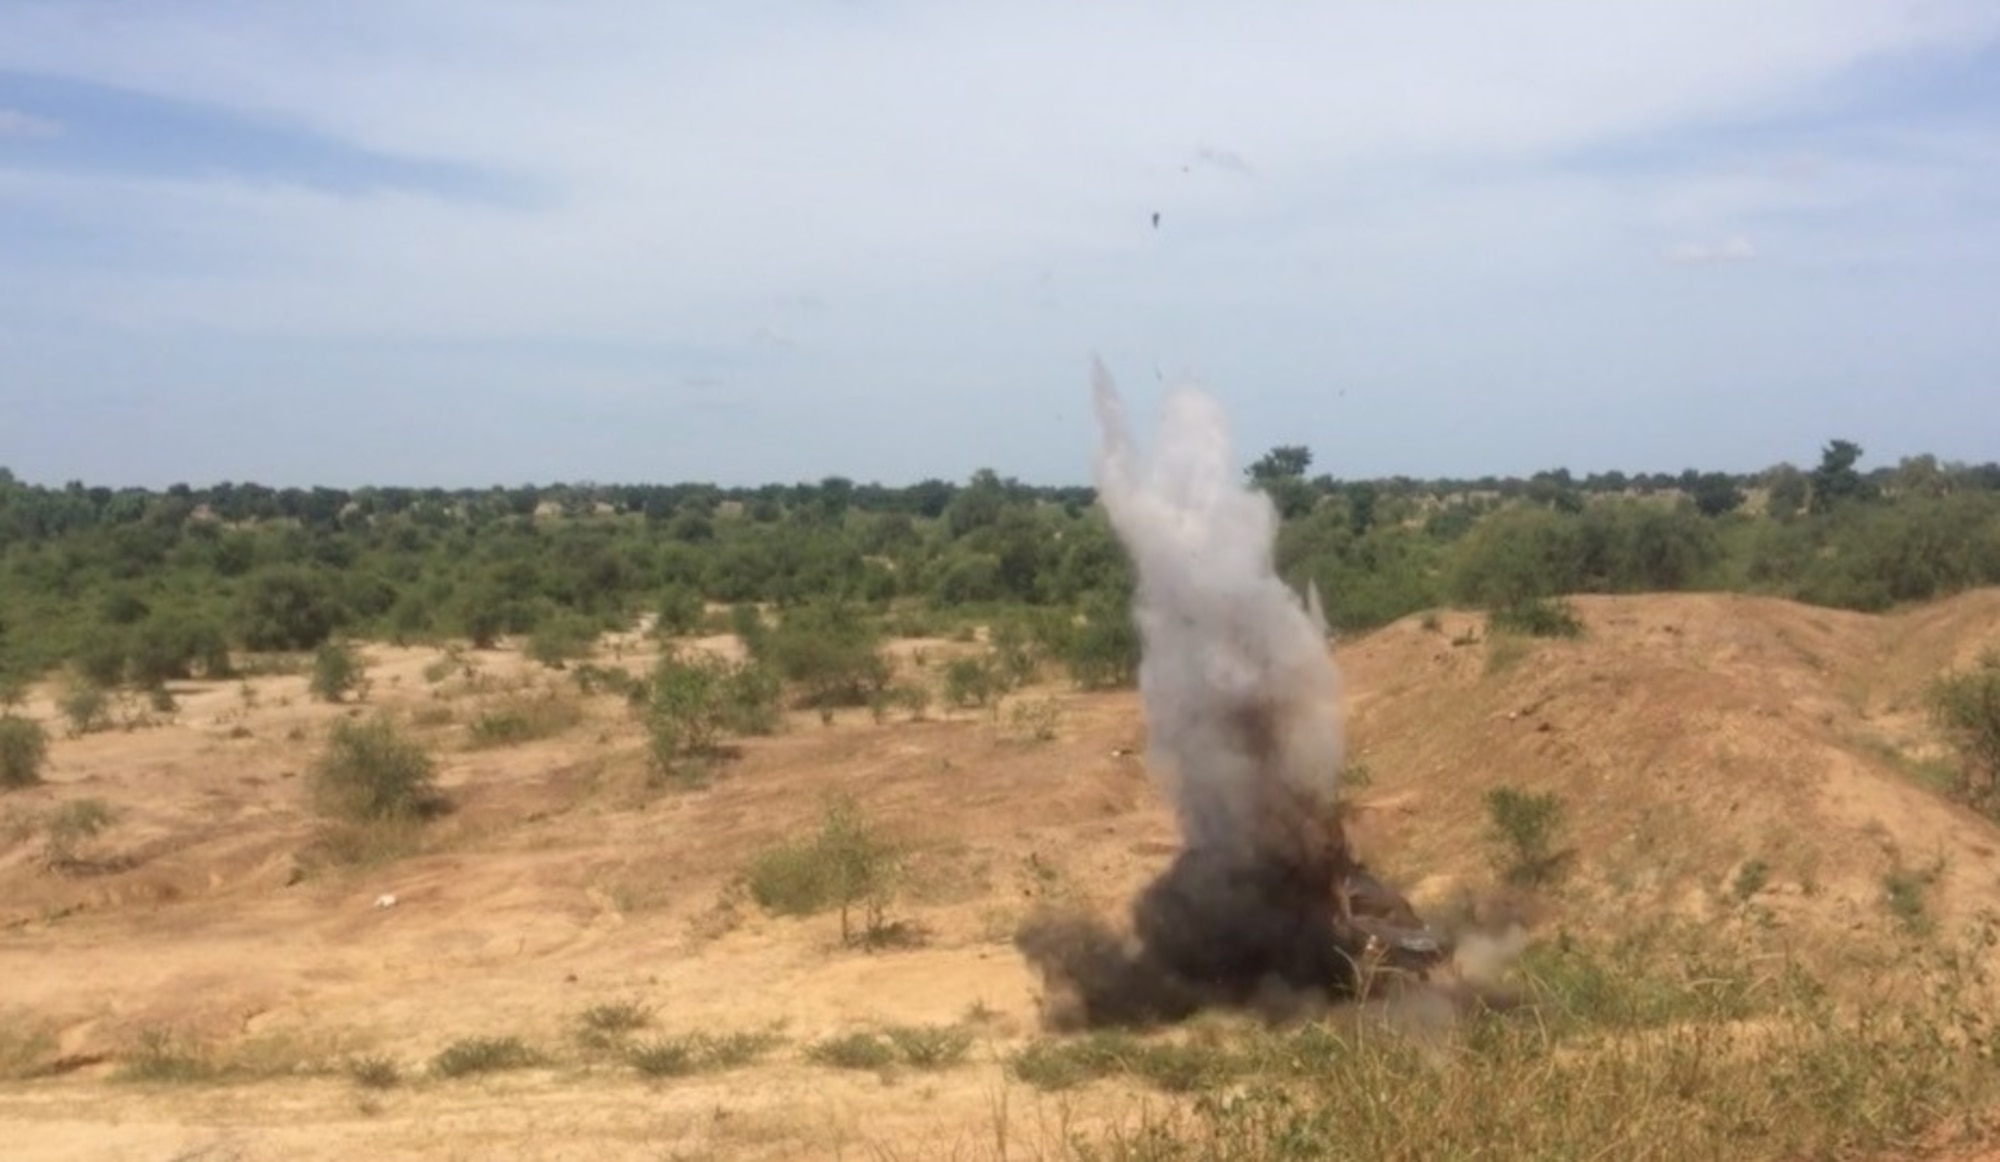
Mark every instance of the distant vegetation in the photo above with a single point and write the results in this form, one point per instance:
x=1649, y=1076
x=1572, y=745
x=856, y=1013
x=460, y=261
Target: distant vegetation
x=137, y=588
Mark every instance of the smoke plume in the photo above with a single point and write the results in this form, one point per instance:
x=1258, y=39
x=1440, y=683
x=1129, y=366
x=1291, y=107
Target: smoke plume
x=1241, y=697
x=1242, y=713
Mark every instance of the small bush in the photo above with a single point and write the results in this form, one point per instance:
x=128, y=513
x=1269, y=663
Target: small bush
x=853, y=1051
x=27, y=1048
x=1536, y=617
x=524, y=718
x=684, y=714
x=371, y=772
x=473, y=1055
x=829, y=651
x=1966, y=706
x=591, y=679
x=606, y=1026
x=160, y=1057
x=1103, y=652
x=617, y=1017
x=557, y=641
x=1057, y=1065
x=1017, y=653
x=336, y=672
x=375, y=1072
x=86, y=704
x=681, y=612
x=1904, y=890
x=933, y=1047
x=699, y=1053
x=972, y=683
x=845, y=866
x=75, y=822
x=693, y=698
x=24, y=750
x=1036, y=719
x=1526, y=825
x=1750, y=879
x=671, y=1057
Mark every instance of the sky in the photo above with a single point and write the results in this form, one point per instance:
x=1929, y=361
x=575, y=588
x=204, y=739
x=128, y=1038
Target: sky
x=474, y=242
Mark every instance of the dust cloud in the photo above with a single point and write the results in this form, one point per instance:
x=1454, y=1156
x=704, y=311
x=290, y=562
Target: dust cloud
x=1241, y=700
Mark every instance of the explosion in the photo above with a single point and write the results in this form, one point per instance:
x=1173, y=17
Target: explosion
x=1264, y=902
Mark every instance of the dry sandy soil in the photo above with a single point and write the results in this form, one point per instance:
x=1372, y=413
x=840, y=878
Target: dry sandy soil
x=1687, y=734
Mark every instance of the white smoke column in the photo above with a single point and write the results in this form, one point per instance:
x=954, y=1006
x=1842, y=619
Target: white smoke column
x=1241, y=696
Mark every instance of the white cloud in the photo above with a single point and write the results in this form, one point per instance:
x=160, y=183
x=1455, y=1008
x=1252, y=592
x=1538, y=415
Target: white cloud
x=16, y=124
x=1735, y=248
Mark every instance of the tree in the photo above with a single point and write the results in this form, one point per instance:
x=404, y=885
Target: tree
x=1716, y=494
x=287, y=609
x=1361, y=497
x=1835, y=480
x=1284, y=462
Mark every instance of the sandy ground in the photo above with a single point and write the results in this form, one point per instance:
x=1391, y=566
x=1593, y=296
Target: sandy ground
x=1688, y=735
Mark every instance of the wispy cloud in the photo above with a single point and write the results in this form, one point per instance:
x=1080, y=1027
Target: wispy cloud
x=941, y=210
x=16, y=124
x=1735, y=248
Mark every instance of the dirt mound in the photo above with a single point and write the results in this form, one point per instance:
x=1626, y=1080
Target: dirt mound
x=1711, y=752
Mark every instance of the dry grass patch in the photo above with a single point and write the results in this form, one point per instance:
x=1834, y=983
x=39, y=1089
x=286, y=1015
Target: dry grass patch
x=524, y=717
x=1661, y=1046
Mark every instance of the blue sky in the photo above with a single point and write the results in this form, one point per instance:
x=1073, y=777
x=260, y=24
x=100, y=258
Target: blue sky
x=466, y=242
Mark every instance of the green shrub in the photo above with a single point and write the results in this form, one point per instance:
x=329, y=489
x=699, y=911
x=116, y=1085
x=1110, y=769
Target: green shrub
x=973, y=682
x=684, y=712
x=1017, y=651
x=522, y=718
x=336, y=672
x=1750, y=879
x=371, y=772
x=699, y=1053
x=931, y=1047
x=375, y=1072
x=746, y=621
x=1536, y=617
x=168, y=648
x=74, y=823
x=557, y=641
x=287, y=608
x=829, y=651
x=473, y=1055
x=681, y=612
x=1102, y=653
x=1035, y=720
x=1525, y=825
x=85, y=704
x=853, y=1051
x=846, y=865
x=100, y=658
x=160, y=1057
x=694, y=697
x=1967, y=707
x=1905, y=892
x=617, y=1017
x=24, y=750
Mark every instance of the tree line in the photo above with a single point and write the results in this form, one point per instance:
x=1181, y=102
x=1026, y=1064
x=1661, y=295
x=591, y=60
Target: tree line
x=140, y=586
